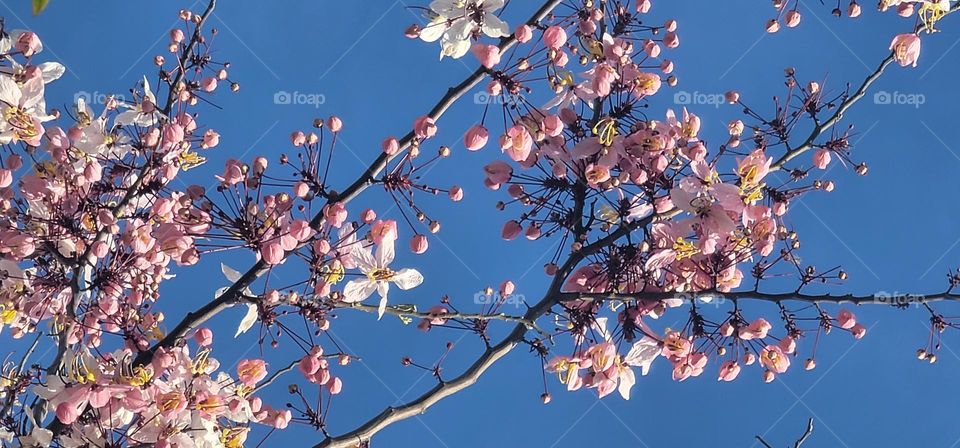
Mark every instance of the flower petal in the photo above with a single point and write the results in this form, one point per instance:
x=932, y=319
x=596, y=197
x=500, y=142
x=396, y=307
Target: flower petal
x=358, y=290
x=627, y=380
x=407, y=278
x=248, y=320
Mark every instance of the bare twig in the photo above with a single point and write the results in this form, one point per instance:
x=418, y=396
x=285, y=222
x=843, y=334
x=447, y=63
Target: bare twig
x=805, y=435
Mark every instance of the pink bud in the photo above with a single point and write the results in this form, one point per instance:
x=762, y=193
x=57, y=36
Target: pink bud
x=271, y=252
x=555, y=37
x=424, y=127
x=208, y=84
x=773, y=26
x=298, y=138
x=301, y=189
x=335, y=386
x=476, y=138
x=203, y=337
x=100, y=249
x=334, y=123
x=853, y=10
x=523, y=34
x=309, y=365
x=821, y=158
x=488, y=55
x=846, y=319
x=671, y=40
x=552, y=125
x=792, y=18
x=418, y=244
x=390, y=146
x=455, y=193
x=511, y=230
x=412, y=31
x=858, y=331
x=368, y=216
x=28, y=43
x=507, y=288
x=210, y=139
x=533, y=232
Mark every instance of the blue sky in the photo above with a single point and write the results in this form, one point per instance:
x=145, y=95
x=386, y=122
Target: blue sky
x=893, y=230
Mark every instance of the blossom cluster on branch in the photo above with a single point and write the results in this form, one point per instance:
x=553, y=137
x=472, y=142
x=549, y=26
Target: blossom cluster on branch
x=96, y=213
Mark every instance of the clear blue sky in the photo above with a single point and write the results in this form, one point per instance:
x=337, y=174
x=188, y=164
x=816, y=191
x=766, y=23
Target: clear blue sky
x=871, y=393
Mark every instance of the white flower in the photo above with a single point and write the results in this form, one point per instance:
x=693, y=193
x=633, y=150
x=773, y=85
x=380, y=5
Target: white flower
x=458, y=20
x=642, y=354
x=378, y=275
x=144, y=113
x=22, y=110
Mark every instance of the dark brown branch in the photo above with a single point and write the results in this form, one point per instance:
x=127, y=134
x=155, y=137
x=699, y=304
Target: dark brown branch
x=883, y=298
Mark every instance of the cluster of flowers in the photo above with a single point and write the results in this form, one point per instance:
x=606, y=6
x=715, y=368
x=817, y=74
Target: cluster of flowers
x=700, y=223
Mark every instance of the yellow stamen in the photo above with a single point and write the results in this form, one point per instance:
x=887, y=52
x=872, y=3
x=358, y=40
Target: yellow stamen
x=605, y=130
x=381, y=274
x=190, y=160
x=684, y=249
x=233, y=437
x=929, y=14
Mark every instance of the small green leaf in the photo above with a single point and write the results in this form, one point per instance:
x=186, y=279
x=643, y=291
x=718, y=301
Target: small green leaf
x=39, y=6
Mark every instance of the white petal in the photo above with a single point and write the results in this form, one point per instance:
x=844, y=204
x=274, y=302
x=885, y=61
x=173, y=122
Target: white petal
x=491, y=5
x=642, y=354
x=407, y=278
x=230, y=273
x=432, y=31
x=51, y=71
x=460, y=31
x=494, y=27
x=385, y=253
x=627, y=380
x=600, y=324
x=248, y=320
x=9, y=91
x=146, y=91
x=454, y=49
x=358, y=290
x=382, y=307
x=125, y=118
x=363, y=257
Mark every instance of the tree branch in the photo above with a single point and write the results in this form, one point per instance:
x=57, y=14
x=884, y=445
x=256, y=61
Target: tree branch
x=234, y=293
x=805, y=435
x=881, y=298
